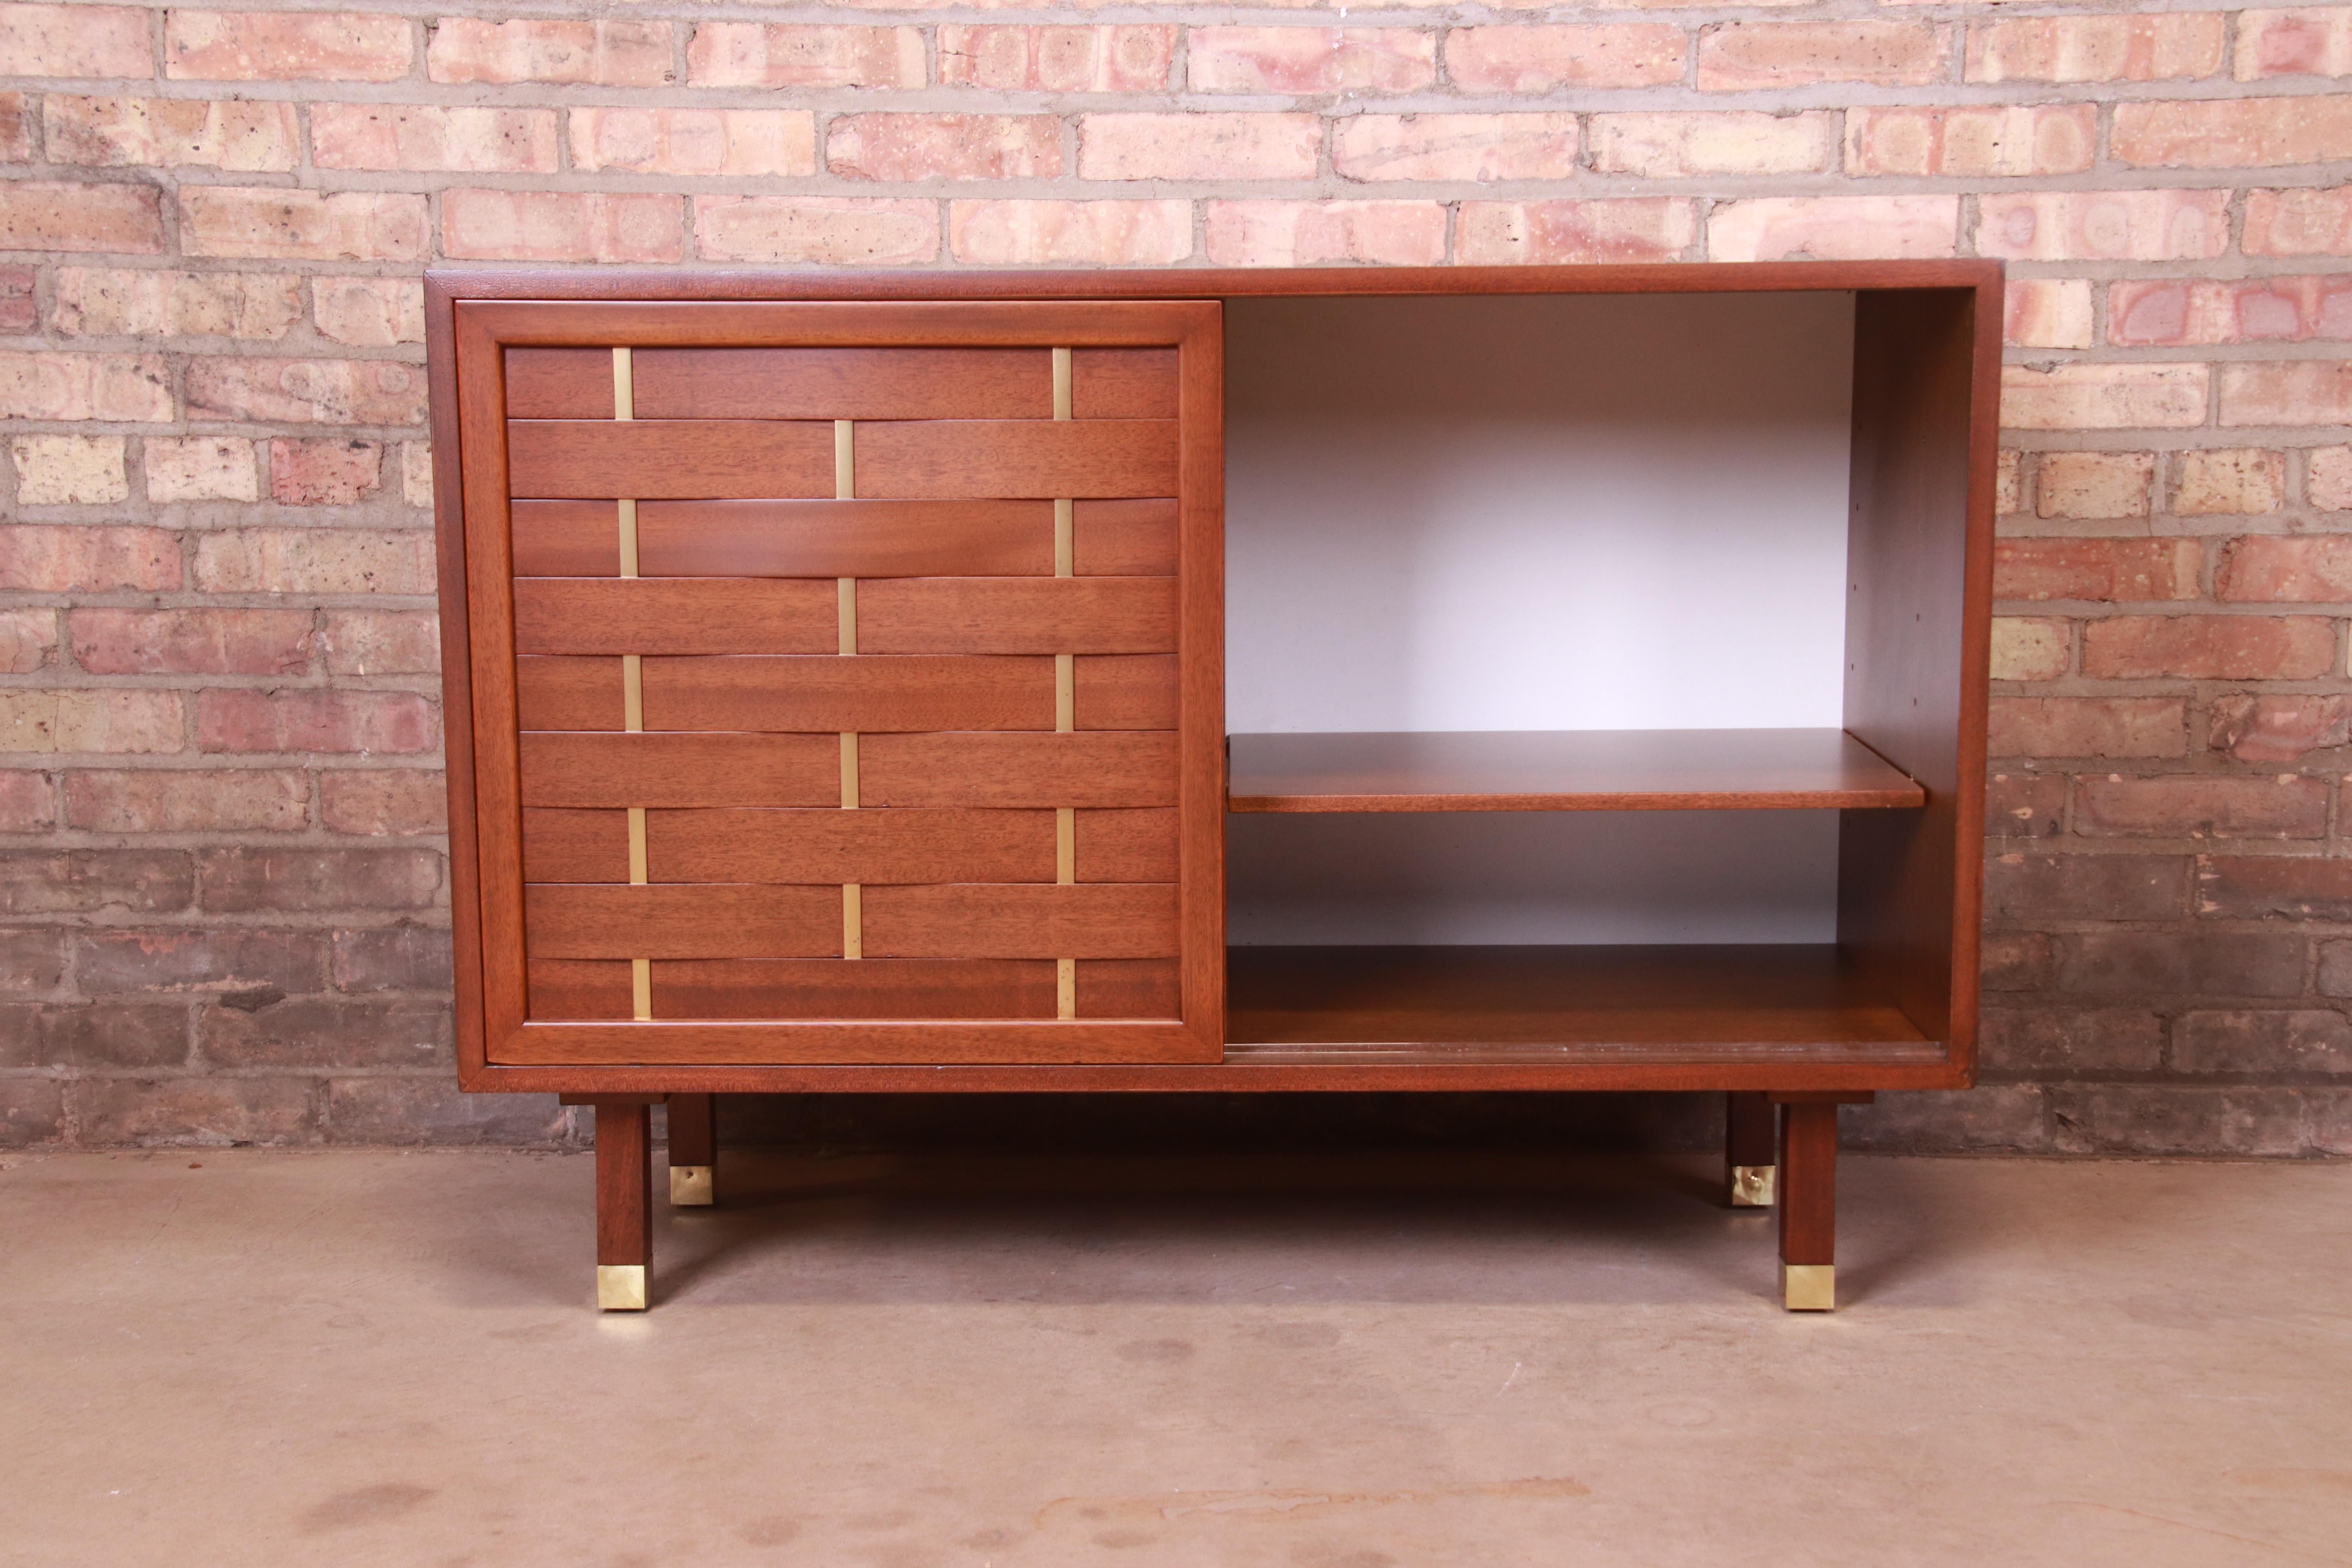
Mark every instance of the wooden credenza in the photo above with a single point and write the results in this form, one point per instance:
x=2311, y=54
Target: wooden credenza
x=835, y=701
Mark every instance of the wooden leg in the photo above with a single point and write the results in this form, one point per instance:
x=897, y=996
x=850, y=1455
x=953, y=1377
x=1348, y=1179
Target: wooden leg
x=1748, y=1158
x=1808, y=1135
x=625, y=1192
x=693, y=1150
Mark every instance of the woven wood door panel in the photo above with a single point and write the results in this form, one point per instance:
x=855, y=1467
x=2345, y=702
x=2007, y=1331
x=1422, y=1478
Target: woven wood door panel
x=847, y=681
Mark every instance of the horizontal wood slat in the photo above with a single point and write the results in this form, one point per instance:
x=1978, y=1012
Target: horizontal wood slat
x=1132, y=768
x=557, y=692
x=1046, y=457
x=1048, y=614
x=1129, y=988
x=993, y=920
x=1126, y=691
x=837, y=845
x=559, y=383
x=863, y=693
x=1123, y=383
x=867, y=988
x=1125, y=538
x=668, y=459
x=614, y=769
x=566, y=538
x=561, y=844
x=682, y=920
x=1126, y=846
x=847, y=537
x=579, y=990
x=677, y=615
x=844, y=383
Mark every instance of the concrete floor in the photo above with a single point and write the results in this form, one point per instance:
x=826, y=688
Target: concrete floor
x=359, y=1358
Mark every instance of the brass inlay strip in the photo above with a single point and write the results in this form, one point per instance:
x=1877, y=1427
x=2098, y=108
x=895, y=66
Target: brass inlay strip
x=1065, y=700
x=641, y=989
x=846, y=614
x=1065, y=845
x=633, y=691
x=1064, y=539
x=628, y=538
x=1066, y=692
x=1061, y=383
x=625, y=391
x=1065, y=988
x=852, y=921
x=849, y=769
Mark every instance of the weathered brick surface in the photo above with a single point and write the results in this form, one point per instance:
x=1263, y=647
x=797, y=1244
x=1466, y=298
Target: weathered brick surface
x=223, y=910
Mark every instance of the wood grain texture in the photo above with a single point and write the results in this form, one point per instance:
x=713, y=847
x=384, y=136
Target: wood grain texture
x=1125, y=768
x=863, y=539
x=566, y=538
x=567, y=693
x=625, y=1185
x=664, y=459
x=1125, y=538
x=1200, y=668
x=1808, y=1183
x=870, y=846
x=1747, y=1133
x=693, y=1130
x=679, y=770
x=457, y=677
x=561, y=844
x=1017, y=457
x=1126, y=846
x=995, y=921
x=1123, y=383
x=834, y=989
x=1133, y=691
x=859, y=384
x=1015, y=616
x=560, y=383
x=1129, y=988
x=867, y=693
x=681, y=920
x=673, y=615
x=594, y=990
x=1563, y=769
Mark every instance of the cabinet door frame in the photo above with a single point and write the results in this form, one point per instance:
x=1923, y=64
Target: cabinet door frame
x=495, y=1037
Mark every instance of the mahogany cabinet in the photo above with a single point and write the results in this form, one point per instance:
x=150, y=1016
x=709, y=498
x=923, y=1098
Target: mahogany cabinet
x=835, y=696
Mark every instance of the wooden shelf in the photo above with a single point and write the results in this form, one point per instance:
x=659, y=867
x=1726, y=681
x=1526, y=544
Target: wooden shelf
x=1563, y=769
x=1565, y=1005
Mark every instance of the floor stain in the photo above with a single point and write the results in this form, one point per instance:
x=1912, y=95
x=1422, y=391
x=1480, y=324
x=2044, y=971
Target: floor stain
x=367, y=1505
x=1169, y=1508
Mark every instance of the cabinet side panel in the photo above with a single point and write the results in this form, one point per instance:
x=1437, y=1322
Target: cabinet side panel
x=457, y=674
x=1918, y=572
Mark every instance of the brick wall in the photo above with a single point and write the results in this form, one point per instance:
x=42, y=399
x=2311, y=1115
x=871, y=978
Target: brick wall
x=223, y=899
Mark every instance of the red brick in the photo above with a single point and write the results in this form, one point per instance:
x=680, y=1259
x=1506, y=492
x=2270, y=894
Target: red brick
x=195, y=1112
x=16, y=116
x=1643, y=228
x=2287, y=392
x=1319, y=233
x=370, y=312
x=565, y=53
x=192, y=642
x=114, y=1035
x=2019, y=887
x=776, y=54
x=420, y=136
x=1058, y=60
x=91, y=881
x=284, y=45
x=1198, y=146
x=2279, y=729
x=2095, y=48
x=2229, y=310
x=2276, y=568
x=200, y=467
x=382, y=642
x=2104, y=226
x=248, y=881
x=2025, y=805
x=2030, y=648
x=1032, y=233
x=406, y=1109
x=2089, y=727
x=2204, y=806
x=48, y=215
x=405, y=958
x=1526, y=60
x=2047, y=313
x=2105, y=570
x=184, y=800
x=416, y=473
x=324, y=473
x=739, y=141
x=83, y=721
x=19, y=312
x=51, y=560
x=171, y=132
x=2210, y=647
x=2231, y=133
x=307, y=391
x=2302, y=1040
x=2307, y=222
x=126, y=387
x=1478, y=147
x=904, y=148
x=100, y=301
x=318, y=1031
x=70, y=470
x=380, y=802
x=2240, y=482
x=561, y=225
x=28, y=640
x=314, y=561
x=842, y=231
x=398, y=722
x=2102, y=396
x=1979, y=142
x=2328, y=478
x=28, y=802
x=2310, y=41
x=313, y=225
x=75, y=41
x=1833, y=228
x=2104, y=1039
x=1670, y=146
x=2009, y=493
x=1310, y=59
x=1739, y=55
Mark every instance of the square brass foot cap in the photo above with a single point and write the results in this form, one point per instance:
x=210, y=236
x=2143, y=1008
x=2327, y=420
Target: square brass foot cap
x=1809, y=1287
x=1752, y=1185
x=691, y=1186
x=621, y=1286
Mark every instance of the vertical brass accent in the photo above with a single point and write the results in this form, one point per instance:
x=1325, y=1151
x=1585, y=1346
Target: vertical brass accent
x=1065, y=988
x=1066, y=692
x=625, y=387
x=621, y=1286
x=844, y=592
x=1809, y=1287
x=641, y=989
x=1065, y=845
x=844, y=487
x=1064, y=539
x=637, y=845
x=852, y=921
x=845, y=460
x=633, y=692
x=633, y=719
x=1061, y=383
x=628, y=538
x=1066, y=700
x=849, y=769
